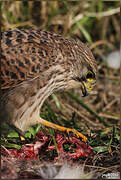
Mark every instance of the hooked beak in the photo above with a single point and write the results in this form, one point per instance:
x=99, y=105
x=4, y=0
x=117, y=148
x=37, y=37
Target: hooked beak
x=86, y=87
x=83, y=88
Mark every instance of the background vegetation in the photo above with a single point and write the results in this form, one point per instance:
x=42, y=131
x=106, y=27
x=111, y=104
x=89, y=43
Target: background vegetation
x=96, y=23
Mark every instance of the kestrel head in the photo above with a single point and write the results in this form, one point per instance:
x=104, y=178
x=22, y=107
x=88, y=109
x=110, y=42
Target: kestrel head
x=83, y=67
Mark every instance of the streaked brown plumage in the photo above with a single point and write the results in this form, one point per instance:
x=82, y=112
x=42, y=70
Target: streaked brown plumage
x=36, y=63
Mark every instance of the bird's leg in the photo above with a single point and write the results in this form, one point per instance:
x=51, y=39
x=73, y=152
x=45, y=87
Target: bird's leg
x=61, y=128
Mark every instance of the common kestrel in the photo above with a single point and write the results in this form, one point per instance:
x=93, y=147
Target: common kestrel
x=35, y=64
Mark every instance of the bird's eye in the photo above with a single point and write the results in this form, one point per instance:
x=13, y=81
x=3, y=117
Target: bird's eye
x=90, y=76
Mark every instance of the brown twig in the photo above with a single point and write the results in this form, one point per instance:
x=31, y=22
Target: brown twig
x=100, y=42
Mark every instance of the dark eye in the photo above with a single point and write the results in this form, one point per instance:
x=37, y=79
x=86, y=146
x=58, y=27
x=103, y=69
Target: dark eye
x=90, y=75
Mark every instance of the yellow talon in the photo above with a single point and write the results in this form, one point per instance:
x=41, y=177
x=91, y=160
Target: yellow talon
x=61, y=128
x=78, y=134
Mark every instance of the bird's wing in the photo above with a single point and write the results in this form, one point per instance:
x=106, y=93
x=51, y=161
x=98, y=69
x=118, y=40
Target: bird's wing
x=24, y=56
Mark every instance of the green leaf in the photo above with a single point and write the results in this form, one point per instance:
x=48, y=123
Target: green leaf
x=31, y=131
x=37, y=129
x=9, y=145
x=100, y=6
x=106, y=131
x=116, y=135
x=53, y=137
x=28, y=135
x=84, y=32
x=56, y=101
x=13, y=134
x=100, y=149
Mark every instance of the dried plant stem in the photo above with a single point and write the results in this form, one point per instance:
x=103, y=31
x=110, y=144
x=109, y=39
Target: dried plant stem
x=87, y=108
x=80, y=114
x=105, y=13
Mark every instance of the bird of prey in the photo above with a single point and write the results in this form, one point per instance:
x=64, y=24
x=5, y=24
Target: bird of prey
x=35, y=64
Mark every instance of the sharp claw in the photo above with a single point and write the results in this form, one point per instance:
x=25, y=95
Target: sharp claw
x=77, y=134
